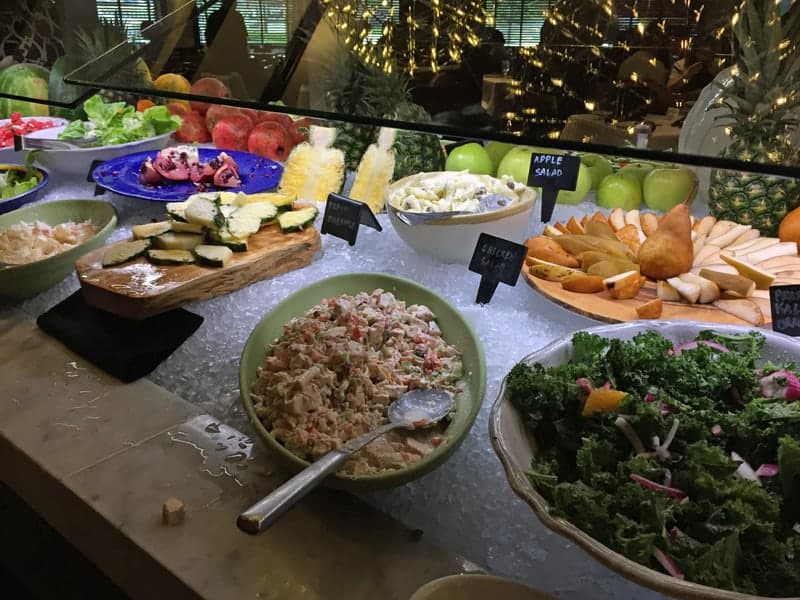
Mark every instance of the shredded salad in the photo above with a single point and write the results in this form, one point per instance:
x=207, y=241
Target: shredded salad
x=24, y=242
x=333, y=373
x=683, y=458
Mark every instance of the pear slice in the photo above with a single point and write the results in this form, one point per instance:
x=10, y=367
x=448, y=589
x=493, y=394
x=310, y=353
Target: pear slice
x=552, y=231
x=617, y=218
x=752, y=246
x=633, y=217
x=742, y=308
x=707, y=251
x=666, y=292
x=650, y=310
x=709, y=291
x=689, y=291
x=562, y=228
x=704, y=225
x=763, y=279
x=735, y=283
x=719, y=228
x=781, y=249
x=698, y=242
x=551, y=271
x=751, y=235
x=574, y=226
x=730, y=236
x=625, y=285
x=781, y=263
x=649, y=223
x=793, y=275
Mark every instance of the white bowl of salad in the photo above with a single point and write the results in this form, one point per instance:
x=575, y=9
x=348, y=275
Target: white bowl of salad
x=452, y=239
x=668, y=450
x=116, y=129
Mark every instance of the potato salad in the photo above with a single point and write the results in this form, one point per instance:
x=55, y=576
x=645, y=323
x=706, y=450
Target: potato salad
x=453, y=191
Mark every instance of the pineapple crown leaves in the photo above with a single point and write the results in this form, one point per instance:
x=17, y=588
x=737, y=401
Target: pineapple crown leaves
x=765, y=87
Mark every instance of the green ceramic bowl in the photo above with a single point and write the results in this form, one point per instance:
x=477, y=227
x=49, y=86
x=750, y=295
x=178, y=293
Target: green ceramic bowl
x=455, y=329
x=28, y=280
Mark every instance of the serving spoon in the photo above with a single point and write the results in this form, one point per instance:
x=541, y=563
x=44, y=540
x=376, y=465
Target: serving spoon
x=415, y=409
x=486, y=203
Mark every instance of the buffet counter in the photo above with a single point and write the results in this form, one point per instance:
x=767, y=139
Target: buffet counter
x=100, y=457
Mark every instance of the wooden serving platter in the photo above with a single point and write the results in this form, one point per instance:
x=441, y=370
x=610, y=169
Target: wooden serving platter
x=139, y=289
x=602, y=307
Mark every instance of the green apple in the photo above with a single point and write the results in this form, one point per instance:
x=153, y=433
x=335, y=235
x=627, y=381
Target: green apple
x=598, y=167
x=637, y=170
x=666, y=187
x=470, y=157
x=516, y=163
x=619, y=191
x=582, y=187
x=497, y=150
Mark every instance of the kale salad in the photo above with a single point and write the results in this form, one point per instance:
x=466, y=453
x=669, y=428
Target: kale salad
x=683, y=458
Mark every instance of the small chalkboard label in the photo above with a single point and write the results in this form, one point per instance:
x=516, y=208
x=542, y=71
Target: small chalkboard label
x=496, y=260
x=784, y=302
x=98, y=190
x=17, y=142
x=552, y=172
x=343, y=216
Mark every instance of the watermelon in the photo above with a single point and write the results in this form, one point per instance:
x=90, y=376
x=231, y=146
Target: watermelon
x=28, y=80
x=66, y=92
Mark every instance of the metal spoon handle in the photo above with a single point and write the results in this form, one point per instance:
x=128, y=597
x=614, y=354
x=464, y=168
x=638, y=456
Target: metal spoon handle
x=266, y=511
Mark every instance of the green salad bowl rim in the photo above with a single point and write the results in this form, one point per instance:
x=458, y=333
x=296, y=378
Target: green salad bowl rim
x=26, y=280
x=455, y=329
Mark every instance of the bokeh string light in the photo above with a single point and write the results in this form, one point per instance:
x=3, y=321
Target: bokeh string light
x=425, y=34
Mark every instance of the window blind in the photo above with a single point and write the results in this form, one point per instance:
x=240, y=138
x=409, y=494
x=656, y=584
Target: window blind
x=130, y=13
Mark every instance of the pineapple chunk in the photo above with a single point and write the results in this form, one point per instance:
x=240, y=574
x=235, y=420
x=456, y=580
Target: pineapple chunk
x=314, y=170
x=375, y=171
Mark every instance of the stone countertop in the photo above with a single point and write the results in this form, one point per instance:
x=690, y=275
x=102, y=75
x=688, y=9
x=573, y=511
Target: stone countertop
x=466, y=506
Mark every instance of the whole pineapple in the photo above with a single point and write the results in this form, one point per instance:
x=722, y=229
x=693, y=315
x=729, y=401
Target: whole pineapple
x=366, y=90
x=759, y=107
x=134, y=75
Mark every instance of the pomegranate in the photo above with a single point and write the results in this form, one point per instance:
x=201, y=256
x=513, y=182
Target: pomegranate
x=270, y=139
x=227, y=176
x=193, y=129
x=148, y=173
x=202, y=173
x=208, y=86
x=173, y=164
x=231, y=133
x=217, y=112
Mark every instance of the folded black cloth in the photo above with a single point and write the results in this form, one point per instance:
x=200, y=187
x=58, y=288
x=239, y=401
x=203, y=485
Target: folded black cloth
x=124, y=348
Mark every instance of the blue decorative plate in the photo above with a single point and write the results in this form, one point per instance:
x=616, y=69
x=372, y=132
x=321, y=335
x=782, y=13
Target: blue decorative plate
x=121, y=176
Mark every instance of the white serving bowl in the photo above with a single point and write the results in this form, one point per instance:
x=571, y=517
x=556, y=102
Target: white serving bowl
x=7, y=153
x=76, y=161
x=516, y=447
x=453, y=239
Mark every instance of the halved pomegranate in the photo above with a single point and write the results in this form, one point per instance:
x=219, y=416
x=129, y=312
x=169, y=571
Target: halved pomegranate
x=227, y=176
x=148, y=173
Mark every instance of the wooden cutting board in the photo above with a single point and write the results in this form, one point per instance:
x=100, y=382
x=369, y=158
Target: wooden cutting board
x=603, y=307
x=138, y=289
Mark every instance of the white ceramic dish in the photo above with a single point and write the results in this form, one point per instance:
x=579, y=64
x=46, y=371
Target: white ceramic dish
x=477, y=587
x=76, y=162
x=453, y=239
x=516, y=447
x=8, y=154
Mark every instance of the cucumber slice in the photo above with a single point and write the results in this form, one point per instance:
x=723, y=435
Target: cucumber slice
x=177, y=210
x=228, y=197
x=243, y=224
x=226, y=239
x=181, y=227
x=177, y=241
x=124, y=251
x=264, y=211
x=281, y=201
x=213, y=256
x=297, y=220
x=202, y=211
x=170, y=257
x=148, y=230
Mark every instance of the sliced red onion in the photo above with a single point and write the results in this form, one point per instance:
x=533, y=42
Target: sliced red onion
x=780, y=384
x=745, y=471
x=767, y=470
x=671, y=435
x=667, y=478
x=665, y=561
x=664, y=489
x=692, y=345
x=648, y=397
x=716, y=430
x=736, y=457
x=665, y=409
x=606, y=386
x=631, y=434
x=659, y=449
x=675, y=533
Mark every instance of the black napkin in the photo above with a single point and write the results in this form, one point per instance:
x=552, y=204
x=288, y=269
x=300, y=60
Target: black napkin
x=124, y=348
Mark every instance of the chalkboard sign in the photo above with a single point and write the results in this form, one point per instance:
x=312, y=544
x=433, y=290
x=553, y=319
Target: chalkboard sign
x=98, y=191
x=553, y=172
x=784, y=301
x=496, y=260
x=343, y=216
